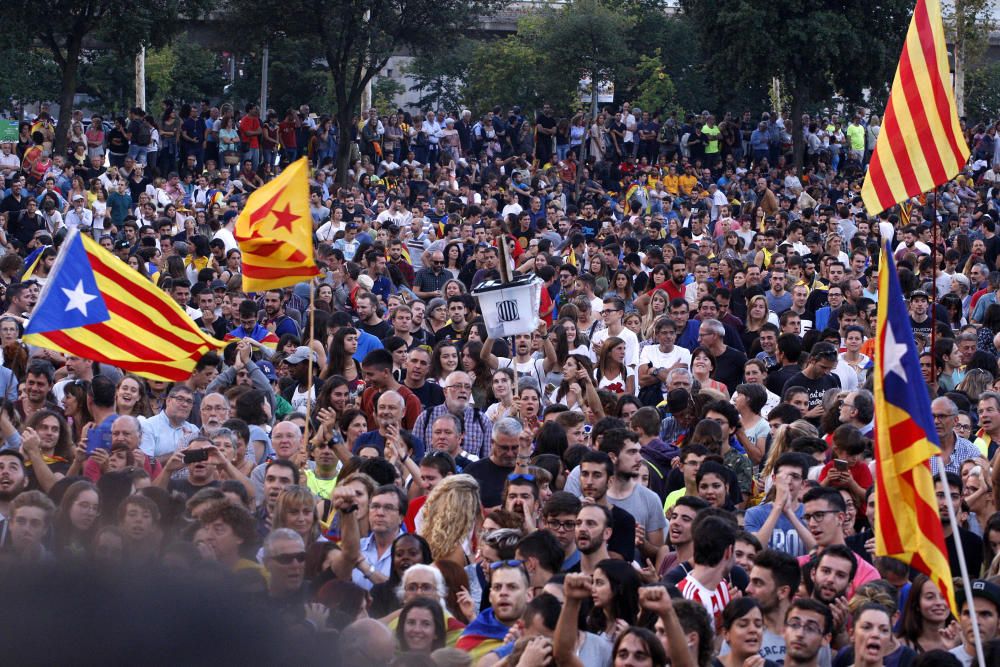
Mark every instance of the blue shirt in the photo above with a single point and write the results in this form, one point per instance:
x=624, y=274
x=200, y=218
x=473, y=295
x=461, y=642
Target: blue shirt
x=366, y=343
x=382, y=564
x=159, y=438
x=784, y=537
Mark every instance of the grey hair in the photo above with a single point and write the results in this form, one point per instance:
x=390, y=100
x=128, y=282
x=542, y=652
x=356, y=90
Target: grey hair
x=507, y=426
x=227, y=433
x=134, y=420
x=394, y=394
x=677, y=372
x=196, y=438
x=715, y=326
x=864, y=403
x=452, y=418
x=222, y=396
x=944, y=400
x=442, y=588
x=279, y=535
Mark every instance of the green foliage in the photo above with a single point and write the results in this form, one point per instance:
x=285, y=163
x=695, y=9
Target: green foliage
x=295, y=77
x=510, y=71
x=440, y=75
x=818, y=48
x=27, y=75
x=982, y=94
x=656, y=89
x=384, y=92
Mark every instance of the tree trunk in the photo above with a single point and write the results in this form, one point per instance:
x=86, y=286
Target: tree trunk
x=798, y=139
x=593, y=93
x=71, y=67
x=344, y=120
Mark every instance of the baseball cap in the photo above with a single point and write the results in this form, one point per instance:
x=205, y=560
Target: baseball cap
x=267, y=368
x=351, y=225
x=121, y=245
x=918, y=293
x=301, y=353
x=217, y=284
x=77, y=197
x=229, y=215
x=980, y=589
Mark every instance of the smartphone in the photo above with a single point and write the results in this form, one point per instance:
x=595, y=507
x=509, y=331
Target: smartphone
x=841, y=464
x=195, y=456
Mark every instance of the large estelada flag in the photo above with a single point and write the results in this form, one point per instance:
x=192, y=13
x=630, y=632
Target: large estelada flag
x=920, y=145
x=97, y=307
x=274, y=232
x=908, y=527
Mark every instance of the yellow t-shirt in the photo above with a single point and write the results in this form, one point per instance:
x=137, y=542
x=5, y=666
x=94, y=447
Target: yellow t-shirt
x=671, y=183
x=687, y=182
x=711, y=138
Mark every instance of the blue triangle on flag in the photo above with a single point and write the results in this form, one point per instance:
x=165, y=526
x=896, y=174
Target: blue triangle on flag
x=71, y=297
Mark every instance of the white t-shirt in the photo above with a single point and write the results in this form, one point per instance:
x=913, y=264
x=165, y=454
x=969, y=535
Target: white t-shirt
x=534, y=369
x=651, y=354
x=227, y=237
x=631, y=345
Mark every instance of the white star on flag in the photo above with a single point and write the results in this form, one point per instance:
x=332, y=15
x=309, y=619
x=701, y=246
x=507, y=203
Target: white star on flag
x=78, y=298
x=893, y=354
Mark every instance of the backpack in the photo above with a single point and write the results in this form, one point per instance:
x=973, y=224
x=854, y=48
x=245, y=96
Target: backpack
x=668, y=134
x=141, y=136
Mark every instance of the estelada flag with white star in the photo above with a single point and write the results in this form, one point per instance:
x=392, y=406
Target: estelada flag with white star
x=97, y=307
x=908, y=526
x=274, y=232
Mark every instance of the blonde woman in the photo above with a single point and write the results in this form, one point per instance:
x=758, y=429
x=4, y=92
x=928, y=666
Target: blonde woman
x=296, y=509
x=450, y=516
x=659, y=304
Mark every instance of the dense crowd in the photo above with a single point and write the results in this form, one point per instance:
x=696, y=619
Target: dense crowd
x=675, y=467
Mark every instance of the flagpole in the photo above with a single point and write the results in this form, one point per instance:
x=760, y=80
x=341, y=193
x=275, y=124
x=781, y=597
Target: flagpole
x=309, y=373
x=966, y=582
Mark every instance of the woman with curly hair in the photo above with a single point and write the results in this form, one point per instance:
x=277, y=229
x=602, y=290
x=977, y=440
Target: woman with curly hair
x=450, y=515
x=131, y=397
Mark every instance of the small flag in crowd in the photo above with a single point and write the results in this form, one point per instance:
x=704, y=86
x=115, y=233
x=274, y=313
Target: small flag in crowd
x=31, y=262
x=920, y=145
x=97, y=307
x=908, y=527
x=274, y=232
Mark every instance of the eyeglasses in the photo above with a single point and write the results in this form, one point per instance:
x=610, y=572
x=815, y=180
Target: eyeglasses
x=963, y=427
x=818, y=516
x=808, y=628
x=378, y=507
x=419, y=588
x=516, y=477
x=608, y=311
x=466, y=387
x=561, y=526
x=322, y=445
x=288, y=559
x=942, y=417
x=506, y=563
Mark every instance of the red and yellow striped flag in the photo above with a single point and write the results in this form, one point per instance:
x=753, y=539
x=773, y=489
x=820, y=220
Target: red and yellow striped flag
x=97, y=307
x=920, y=145
x=274, y=231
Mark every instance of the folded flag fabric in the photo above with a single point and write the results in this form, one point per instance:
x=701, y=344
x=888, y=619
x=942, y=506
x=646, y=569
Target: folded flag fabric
x=97, y=307
x=274, y=232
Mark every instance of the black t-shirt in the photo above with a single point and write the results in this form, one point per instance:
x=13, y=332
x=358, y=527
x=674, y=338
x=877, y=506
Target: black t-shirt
x=729, y=368
x=922, y=328
x=187, y=489
x=972, y=545
x=381, y=330
x=622, y=540
x=816, y=388
x=777, y=378
x=430, y=395
x=491, y=478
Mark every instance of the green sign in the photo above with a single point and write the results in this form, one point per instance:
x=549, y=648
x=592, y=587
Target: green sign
x=8, y=131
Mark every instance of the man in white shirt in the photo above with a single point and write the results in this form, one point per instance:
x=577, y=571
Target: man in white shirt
x=226, y=232
x=78, y=215
x=656, y=361
x=9, y=162
x=614, y=315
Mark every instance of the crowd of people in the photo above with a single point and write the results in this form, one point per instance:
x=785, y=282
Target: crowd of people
x=674, y=467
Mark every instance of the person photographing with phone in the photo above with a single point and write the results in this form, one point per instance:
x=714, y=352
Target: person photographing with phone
x=206, y=468
x=848, y=469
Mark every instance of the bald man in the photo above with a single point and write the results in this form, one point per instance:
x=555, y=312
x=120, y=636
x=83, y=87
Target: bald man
x=389, y=411
x=367, y=642
x=287, y=441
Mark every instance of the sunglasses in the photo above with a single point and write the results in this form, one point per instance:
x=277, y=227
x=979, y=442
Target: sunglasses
x=516, y=477
x=506, y=563
x=288, y=559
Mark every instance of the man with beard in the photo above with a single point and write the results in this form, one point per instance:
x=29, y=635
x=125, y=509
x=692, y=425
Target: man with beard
x=418, y=364
x=509, y=594
x=774, y=581
x=593, y=530
x=824, y=517
x=596, y=471
x=521, y=498
x=625, y=491
x=972, y=544
x=13, y=481
x=808, y=626
x=273, y=316
x=831, y=580
x=214, y=410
